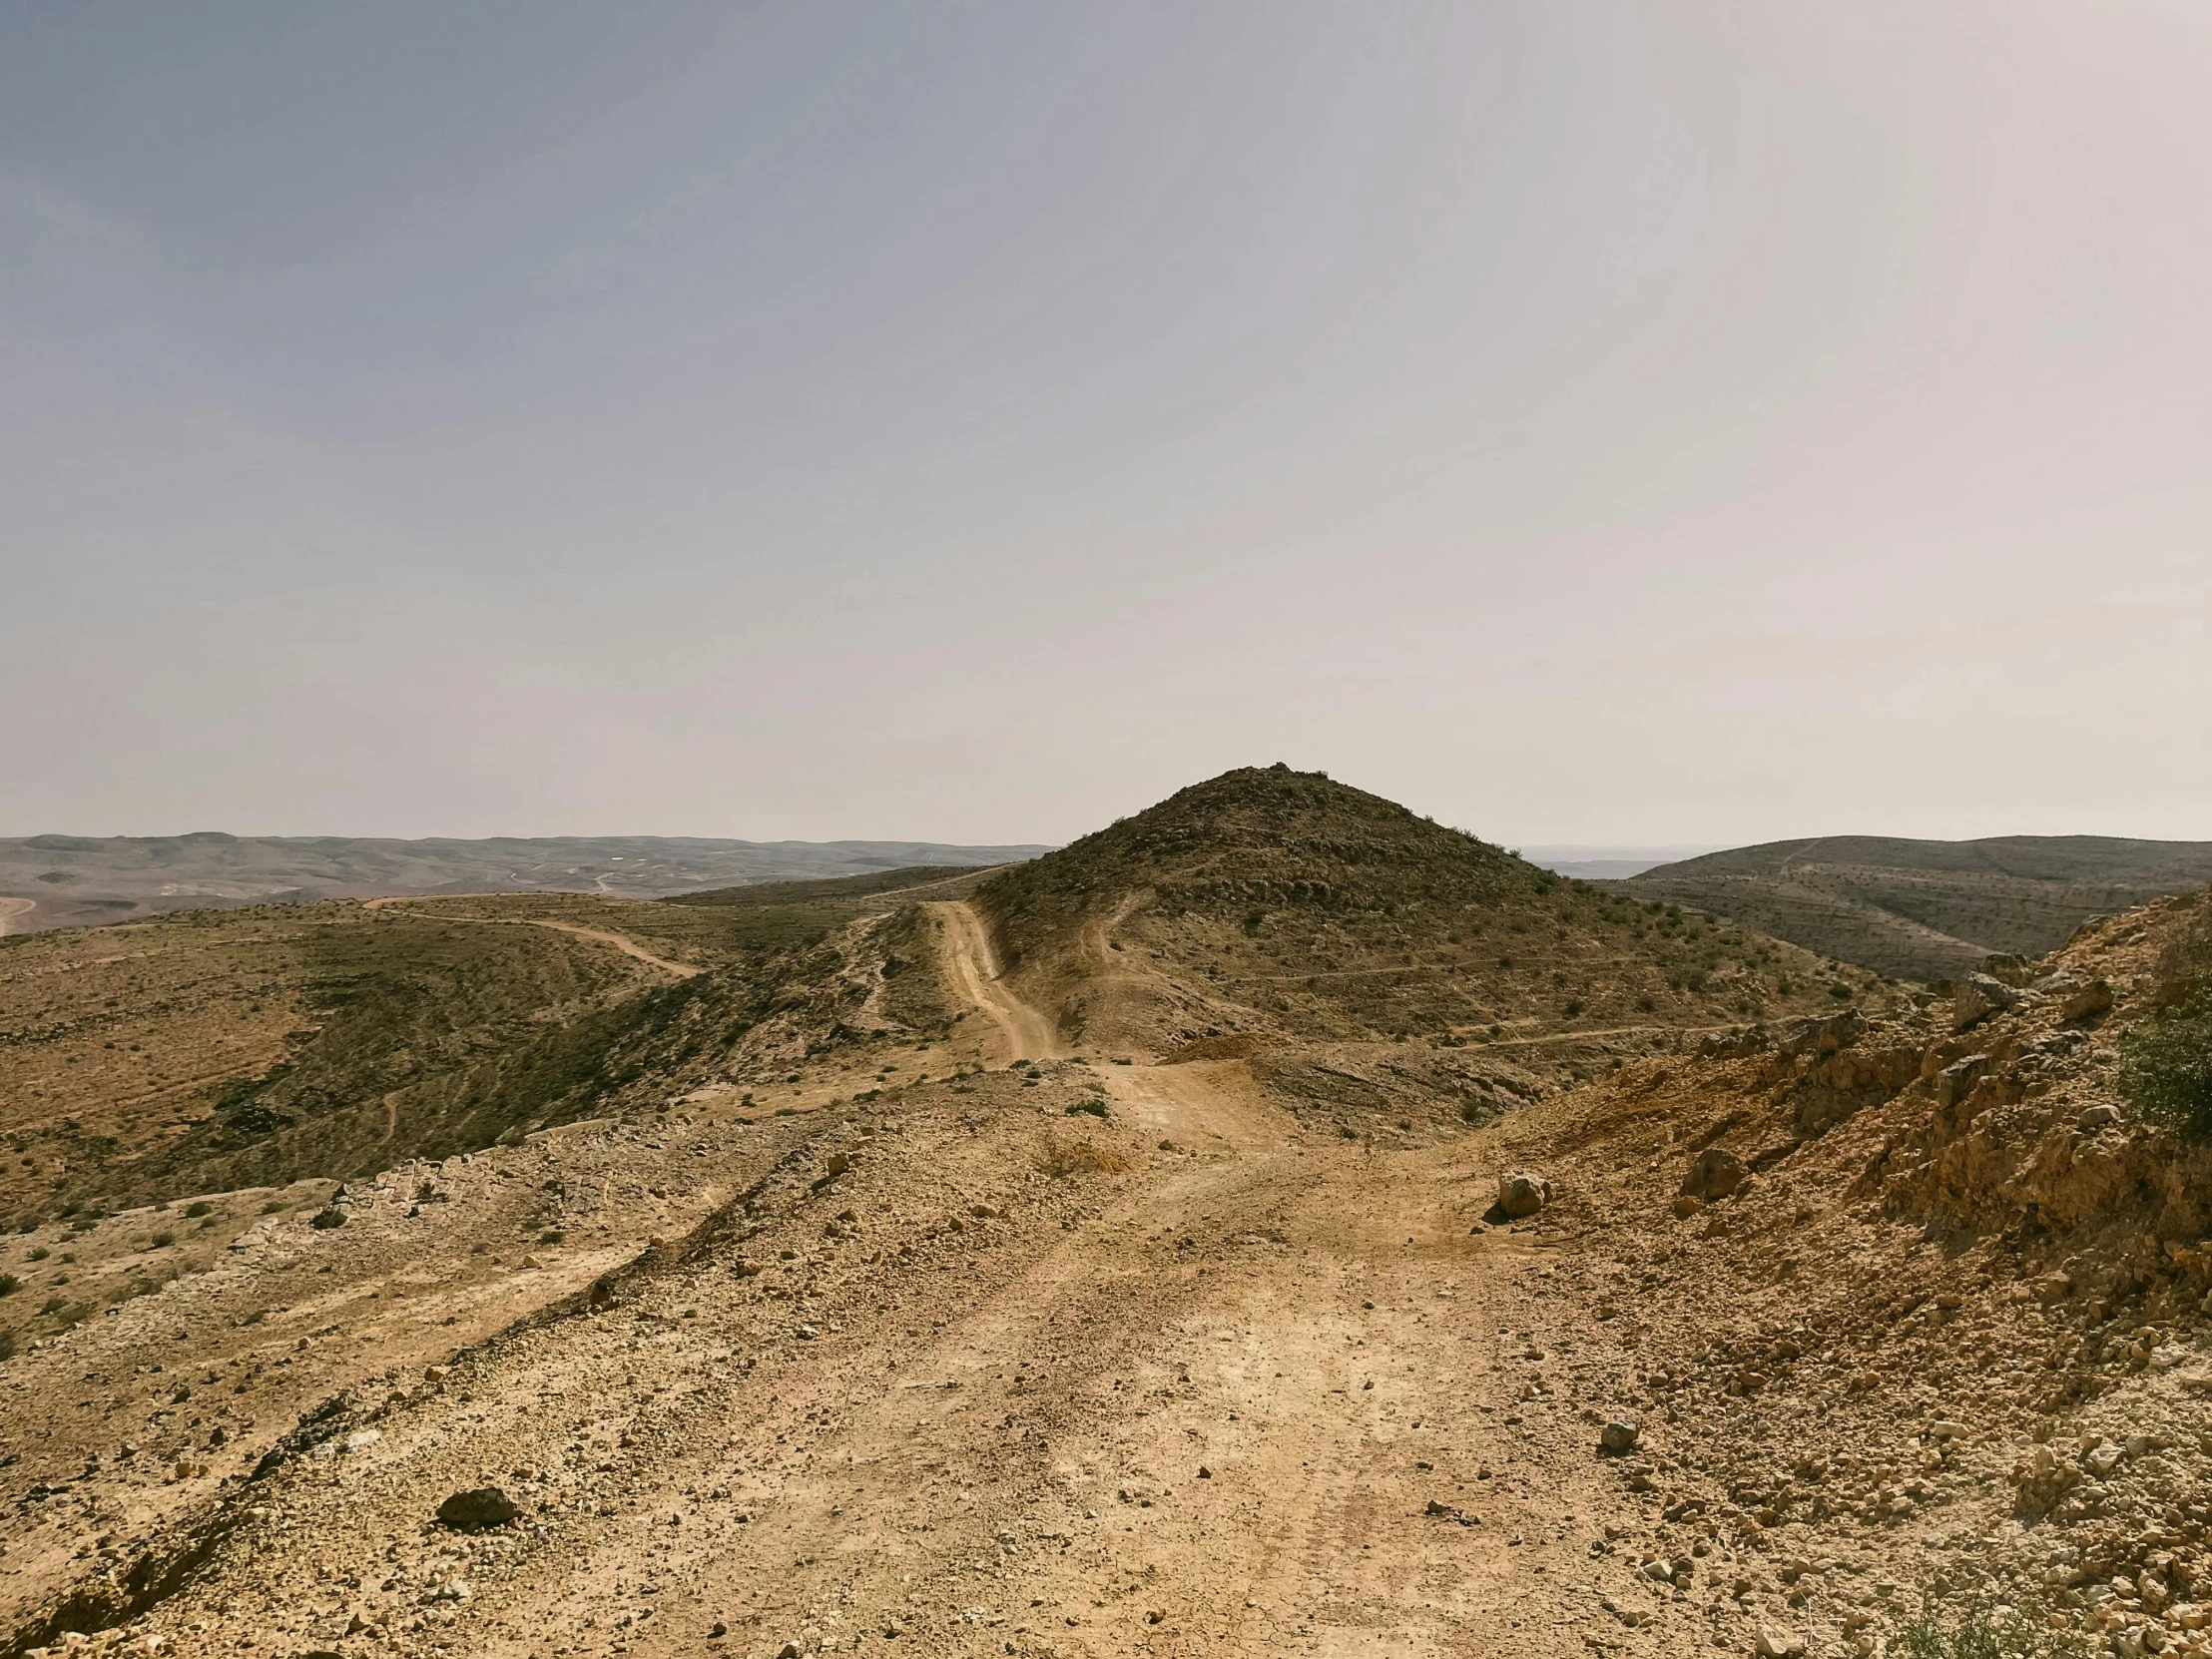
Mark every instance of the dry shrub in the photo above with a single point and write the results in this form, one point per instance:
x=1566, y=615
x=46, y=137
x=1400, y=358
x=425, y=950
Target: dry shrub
x=2166, y=1060
x=1064, y=1154
x=2166, y=1067
x=1979, y=1632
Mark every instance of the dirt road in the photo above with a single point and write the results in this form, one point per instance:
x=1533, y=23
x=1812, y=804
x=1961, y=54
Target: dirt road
x=10, y=908
x=628, y=947
x=973, y=966
x=1247, y=1394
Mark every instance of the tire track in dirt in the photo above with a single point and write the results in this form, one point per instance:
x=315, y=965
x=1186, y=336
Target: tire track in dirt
x=973, y=973
x=1203, y=1405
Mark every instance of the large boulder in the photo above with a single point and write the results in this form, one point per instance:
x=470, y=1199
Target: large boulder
x=1730, y=1045
x=1956, y=1081
x=1714, y=1172
x=1976, y=997
x=479, y=1506
x=2091, y=1001
x=1522, y=1193
x=1824, y=1036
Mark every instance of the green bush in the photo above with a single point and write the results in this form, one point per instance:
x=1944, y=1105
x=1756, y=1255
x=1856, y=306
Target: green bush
x=1975, y=1633
x=2166, y=1067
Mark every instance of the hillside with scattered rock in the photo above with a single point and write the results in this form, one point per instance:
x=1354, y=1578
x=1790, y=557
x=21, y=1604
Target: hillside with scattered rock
x=254, y=1048
x=1277, y=908
x=923, y=1274
x=1917, y=1307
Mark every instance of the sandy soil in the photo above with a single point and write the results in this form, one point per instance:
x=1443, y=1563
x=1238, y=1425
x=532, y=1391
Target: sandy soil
x=12, y=909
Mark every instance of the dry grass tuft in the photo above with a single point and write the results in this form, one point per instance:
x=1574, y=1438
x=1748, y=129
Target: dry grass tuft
x=1063, y=1155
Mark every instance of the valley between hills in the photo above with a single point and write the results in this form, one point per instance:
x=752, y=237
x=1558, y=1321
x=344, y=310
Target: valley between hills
x=1272, y=1224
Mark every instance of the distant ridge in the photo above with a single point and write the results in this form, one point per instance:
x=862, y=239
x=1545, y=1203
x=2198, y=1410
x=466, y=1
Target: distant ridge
x=1607, y=864
x=73, y=880
x=1926, y=909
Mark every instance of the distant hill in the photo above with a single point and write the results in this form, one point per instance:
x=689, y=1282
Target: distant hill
x=1920, y=909
x=78, y=881
x=1278, y=907
x=1607, y=864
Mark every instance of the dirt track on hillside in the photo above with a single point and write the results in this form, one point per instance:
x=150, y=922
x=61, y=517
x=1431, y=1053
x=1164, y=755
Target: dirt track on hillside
x=621, y=941
x=1060, y=1354
x=1247, y=1393
x=10, y=908
x=972, y=970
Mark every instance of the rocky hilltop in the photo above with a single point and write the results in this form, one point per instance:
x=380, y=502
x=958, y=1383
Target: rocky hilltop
x=1269, y=907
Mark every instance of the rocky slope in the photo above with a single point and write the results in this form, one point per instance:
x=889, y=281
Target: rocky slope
x=890, y=1310
x=1916, y=1309
x=1280, y=908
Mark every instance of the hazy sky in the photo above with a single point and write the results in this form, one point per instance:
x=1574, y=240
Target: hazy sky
x=1582, y=421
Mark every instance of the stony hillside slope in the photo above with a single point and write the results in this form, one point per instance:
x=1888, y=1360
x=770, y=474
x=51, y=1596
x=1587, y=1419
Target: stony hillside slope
x=155, y=1059
x=208, y=1050
x=1918, y=909
x=885, y=1306
x=1280, y=908
x=1917, y=1308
